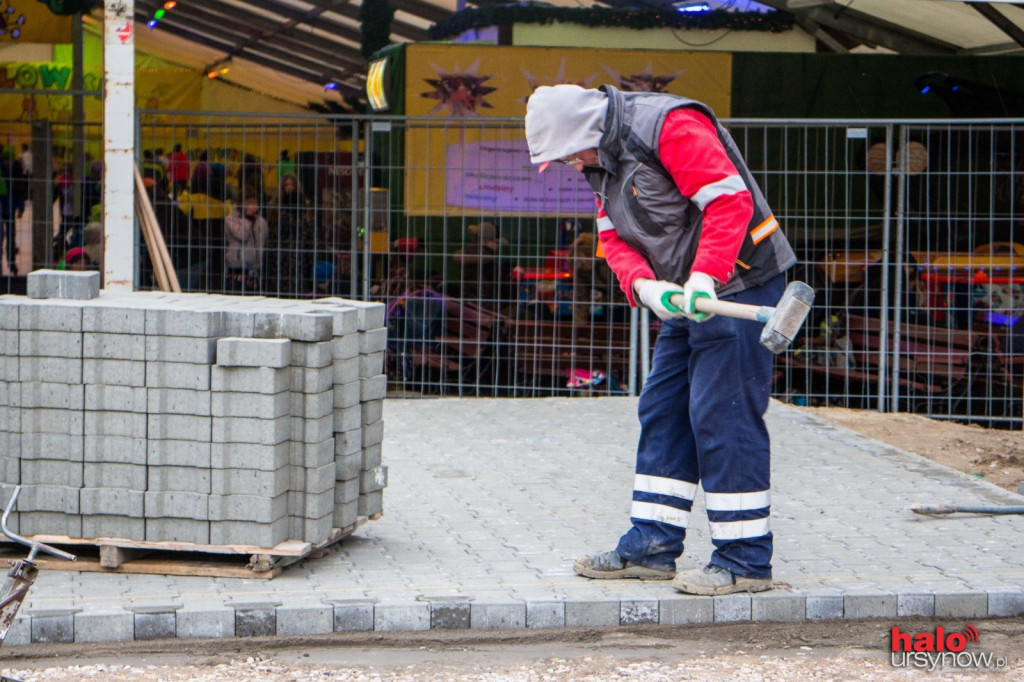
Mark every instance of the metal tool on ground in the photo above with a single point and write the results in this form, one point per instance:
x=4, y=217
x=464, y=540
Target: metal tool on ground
x=23, y=572
x=943, y=509
x=781, y=323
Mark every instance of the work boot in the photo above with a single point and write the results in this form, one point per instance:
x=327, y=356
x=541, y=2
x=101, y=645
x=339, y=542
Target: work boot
x=609, y=565
x=712, y=580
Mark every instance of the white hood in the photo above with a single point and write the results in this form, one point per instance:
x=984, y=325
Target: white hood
x=562, y=120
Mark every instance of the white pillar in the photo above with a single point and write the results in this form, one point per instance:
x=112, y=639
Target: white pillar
x=119, y=144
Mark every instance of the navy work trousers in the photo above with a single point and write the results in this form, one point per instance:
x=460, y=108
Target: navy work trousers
x=702, y=421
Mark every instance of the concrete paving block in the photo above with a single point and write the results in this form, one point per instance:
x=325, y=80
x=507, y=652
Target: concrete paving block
x=731, y=608
x=52, y=370
x=250, y=482
x=312, y=405
x=312, y=379
x=371, y=456
x=313, y=455
x=256, y=621
x=313, y=505
x=346, y=514
x=239, y=323
x=114, y=347
x=305, y=620
x=639, y=612
x=48, y=395
x=371, y=365
x=9, y=343
x=373, y=388
x=49, y=316
x=258, y=534
x=262, y=380
x=178, y=530
x=511, y=616
x=346, y=490
x=346, y=394
x=686, y=610
x=114, y=319
x=346, y=318
x=401, y=617
x=51, y=472
x=184, y=322
x=248, y=430
x=49, y=627
x=115, y=449
x=371, y=315
x=346, y=347
x=10, y=470
x=591, y=613
x=116, y=398
x=316, y=531
x=824, y=607
x=373, y=434
x=49, y=523
x=1010, y=604
x=779, y=608
x=346, y=371
x=373, y=480
x=111, y=526
x=63, y=284
x=347, y=467
x=49, y=498
x=114, y=475
x=373, y=341
x=294, y=326
x=348, y=442
x=179, y=401
x=353, y=616
x=180, y=349
x=20, y=632
x=168, y=479
x=195, y=377
x=179, y=453
x=114, y=372
x=240, y=352
x=204, y=624
x=254, y=405
x=371, y=504
x=911, y=605
x=372, y=411
x=312, y=431
x=961, y=605
x=348, y=419
x=250, y=456
x=114, y=627
x=149, y=626
x=869, y=606
x=9, y=312
x=314, y=355
x=109, y=423
x=43, y=445
x=545, y=614
x=249, y=508
x=50, y=344
x=47, y=420
x=179, y=427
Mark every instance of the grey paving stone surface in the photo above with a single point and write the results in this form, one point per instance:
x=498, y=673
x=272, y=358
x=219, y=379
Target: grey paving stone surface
x=489, y=501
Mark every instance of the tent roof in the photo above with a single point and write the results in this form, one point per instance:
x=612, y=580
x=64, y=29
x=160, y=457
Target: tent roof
x=290, y=49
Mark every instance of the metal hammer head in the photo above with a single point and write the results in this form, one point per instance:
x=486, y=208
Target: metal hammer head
x=790, y=313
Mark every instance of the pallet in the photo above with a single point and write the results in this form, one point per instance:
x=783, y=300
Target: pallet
x=119, y=555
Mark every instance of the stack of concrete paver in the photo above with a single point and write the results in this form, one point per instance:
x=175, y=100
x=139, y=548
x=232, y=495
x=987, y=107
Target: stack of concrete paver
x=211, y=420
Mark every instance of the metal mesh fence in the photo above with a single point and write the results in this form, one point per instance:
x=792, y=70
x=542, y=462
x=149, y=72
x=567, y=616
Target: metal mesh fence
x=908, y=232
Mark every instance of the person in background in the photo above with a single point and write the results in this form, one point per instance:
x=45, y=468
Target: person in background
x=677, y=203
x=75, y=259
x=245, y=233
x=13, y=194
x=179, y=170
x=291, y=245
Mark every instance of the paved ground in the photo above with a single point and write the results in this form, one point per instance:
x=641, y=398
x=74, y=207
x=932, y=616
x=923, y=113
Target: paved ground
x=489, y=501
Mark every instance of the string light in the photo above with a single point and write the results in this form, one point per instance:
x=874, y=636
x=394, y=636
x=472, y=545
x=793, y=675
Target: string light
x=160, y=13
x=170, y=4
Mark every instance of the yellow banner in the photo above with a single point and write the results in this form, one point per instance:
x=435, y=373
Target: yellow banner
x=477, y=82
x=29, y=21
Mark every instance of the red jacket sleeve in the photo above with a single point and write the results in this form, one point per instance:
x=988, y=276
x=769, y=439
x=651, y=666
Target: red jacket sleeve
x=627, y=263
x=690, y=150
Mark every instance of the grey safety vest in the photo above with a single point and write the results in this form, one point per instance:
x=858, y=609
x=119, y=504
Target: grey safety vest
x=648, y=211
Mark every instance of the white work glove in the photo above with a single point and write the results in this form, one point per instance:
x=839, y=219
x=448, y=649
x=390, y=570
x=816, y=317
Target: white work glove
x=654, y=294
x=699, y=285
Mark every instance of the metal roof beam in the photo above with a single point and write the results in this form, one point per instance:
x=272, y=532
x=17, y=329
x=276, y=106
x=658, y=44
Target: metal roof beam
x=1000, y=20
x=316, y=17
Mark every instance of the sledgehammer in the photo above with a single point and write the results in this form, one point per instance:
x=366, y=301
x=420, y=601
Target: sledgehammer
x=781, y=323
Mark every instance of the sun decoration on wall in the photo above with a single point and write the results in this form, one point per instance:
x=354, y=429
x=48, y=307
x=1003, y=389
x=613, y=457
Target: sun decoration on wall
x=458, y=92
x=645, y=81
x=559, y=79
